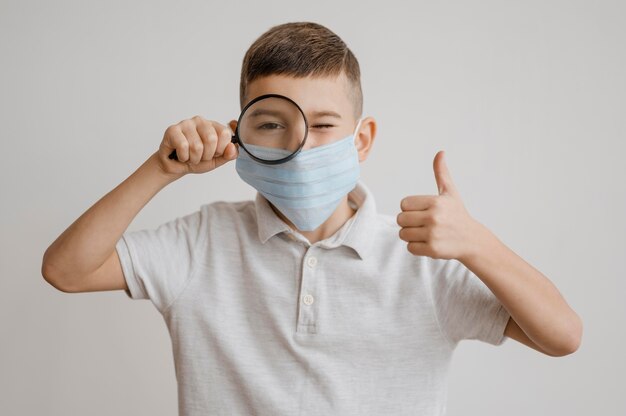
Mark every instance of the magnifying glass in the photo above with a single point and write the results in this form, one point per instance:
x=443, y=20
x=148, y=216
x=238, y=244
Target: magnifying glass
x=271, y=128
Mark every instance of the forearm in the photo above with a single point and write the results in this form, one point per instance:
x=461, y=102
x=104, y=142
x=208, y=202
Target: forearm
x=531, y=298
x=86, y=243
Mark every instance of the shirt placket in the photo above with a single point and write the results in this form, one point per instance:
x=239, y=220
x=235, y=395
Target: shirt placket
x=308, y=302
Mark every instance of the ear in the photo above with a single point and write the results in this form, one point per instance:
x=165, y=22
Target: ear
x=233, y=125
x=365, y=136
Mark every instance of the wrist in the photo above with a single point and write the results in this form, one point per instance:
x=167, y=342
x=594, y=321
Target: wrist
x=153, y=165
x=481, y=244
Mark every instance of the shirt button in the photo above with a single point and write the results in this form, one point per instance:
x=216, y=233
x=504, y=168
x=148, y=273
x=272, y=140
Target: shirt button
x=307, y=299
x=312, y=261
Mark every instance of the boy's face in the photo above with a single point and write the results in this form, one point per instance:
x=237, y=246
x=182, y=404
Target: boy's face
x=325, y=101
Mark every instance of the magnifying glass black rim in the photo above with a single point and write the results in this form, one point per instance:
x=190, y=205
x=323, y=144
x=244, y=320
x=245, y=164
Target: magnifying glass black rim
x=236, y=139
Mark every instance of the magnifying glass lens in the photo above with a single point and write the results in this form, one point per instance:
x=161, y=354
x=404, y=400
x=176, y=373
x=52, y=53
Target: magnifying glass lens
x=272, y=128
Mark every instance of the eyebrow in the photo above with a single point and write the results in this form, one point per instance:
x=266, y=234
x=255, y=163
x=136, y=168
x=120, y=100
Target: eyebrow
x=324, y=113
x=262, y=111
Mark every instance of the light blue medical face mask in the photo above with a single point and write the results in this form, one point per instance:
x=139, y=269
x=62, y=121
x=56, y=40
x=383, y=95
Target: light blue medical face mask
x=308, y=188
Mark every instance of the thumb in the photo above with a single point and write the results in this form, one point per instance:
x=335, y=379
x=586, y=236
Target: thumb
x=445, y=185
x=229, y=154
x=231, y=151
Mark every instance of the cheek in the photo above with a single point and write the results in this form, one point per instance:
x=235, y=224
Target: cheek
x=321, y=137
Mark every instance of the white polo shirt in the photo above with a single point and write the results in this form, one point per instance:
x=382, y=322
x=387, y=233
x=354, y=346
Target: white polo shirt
x=264, y=323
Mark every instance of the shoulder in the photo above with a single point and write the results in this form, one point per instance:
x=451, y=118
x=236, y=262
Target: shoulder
x=389, y=249
x=391, y=246
x=229, y=208
x=387, y=222
x=227, y=216
x=211, y=217
x=387, y=230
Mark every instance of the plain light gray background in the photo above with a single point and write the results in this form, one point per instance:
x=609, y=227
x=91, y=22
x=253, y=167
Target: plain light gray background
x=527, y=98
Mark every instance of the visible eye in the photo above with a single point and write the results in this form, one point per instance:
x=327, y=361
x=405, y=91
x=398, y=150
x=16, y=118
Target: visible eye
x=270, y=126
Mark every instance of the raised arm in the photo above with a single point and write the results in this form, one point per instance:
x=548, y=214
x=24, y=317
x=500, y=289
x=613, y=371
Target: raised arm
x=83, y=257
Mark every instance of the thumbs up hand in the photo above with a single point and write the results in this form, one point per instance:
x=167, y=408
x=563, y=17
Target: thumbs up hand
x=438, y=226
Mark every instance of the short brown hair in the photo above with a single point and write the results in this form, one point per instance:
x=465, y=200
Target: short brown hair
x=301, y=49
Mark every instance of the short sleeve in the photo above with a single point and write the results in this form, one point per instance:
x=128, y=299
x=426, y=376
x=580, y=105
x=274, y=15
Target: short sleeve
x=466, y=308
x=157, y=263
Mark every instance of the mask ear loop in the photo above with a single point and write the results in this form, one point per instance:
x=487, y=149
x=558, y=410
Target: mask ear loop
x=358, y=125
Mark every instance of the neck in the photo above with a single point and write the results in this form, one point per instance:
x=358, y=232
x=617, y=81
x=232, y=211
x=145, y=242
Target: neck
x=329, y=227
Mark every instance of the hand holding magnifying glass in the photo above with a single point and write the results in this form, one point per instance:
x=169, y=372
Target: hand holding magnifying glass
x=271, y=128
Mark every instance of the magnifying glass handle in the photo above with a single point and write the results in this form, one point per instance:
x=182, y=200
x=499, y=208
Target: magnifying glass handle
x=175, y=157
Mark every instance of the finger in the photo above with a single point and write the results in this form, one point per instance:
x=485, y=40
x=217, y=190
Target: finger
x=195, y=142
x=414, y=234
x=413, y=218
x=229, y=154
x=209, y=139
x=417, y=202
x=224, y=137
x=175, y=139
x=235, y=150
x=420, y=248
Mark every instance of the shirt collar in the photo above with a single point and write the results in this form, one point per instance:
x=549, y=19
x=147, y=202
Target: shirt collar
x=355, y=233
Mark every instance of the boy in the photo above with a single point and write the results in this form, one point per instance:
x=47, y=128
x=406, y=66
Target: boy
x=358, y=314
